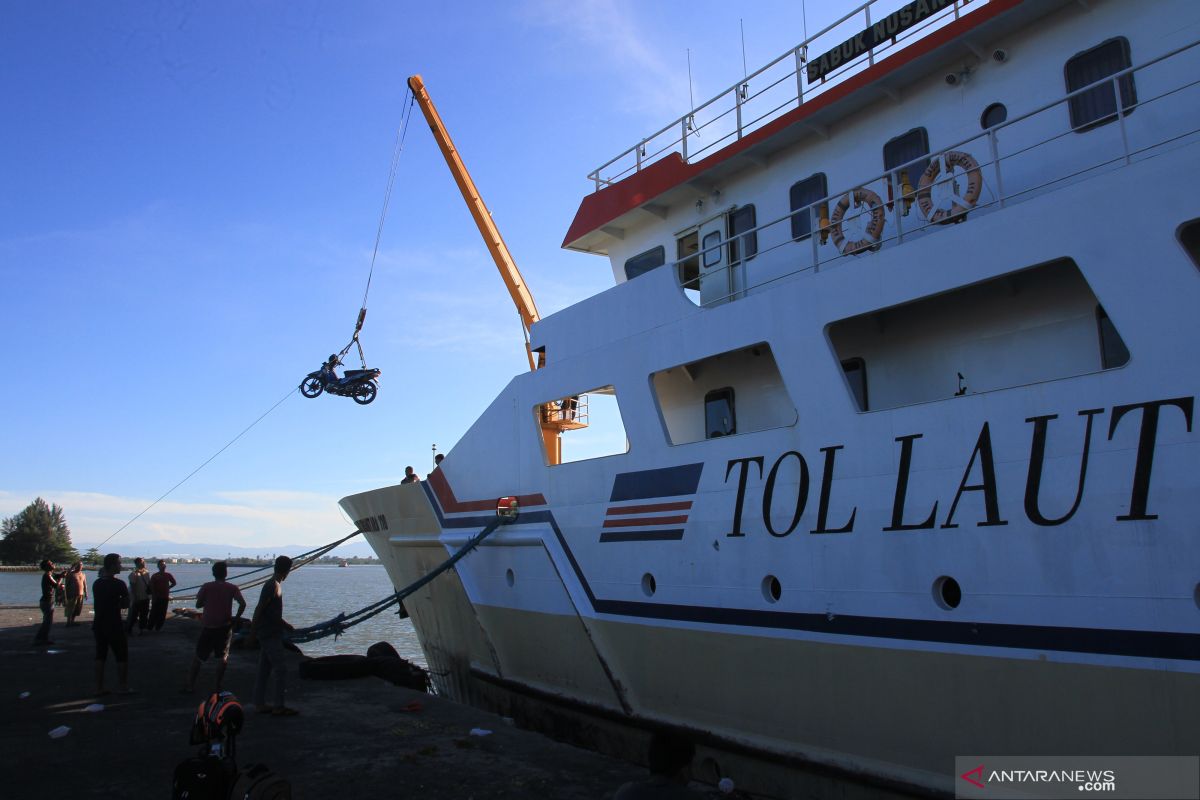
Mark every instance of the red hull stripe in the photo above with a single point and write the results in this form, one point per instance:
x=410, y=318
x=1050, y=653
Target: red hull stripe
x=452, y=505
x=602, y=207
x=647, y=509
x=639, y=521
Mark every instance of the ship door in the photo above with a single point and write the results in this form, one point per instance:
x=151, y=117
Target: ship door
x=715, y=285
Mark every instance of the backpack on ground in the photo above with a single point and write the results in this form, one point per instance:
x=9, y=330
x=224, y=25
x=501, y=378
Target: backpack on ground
x=203, y=778
x=258, y=782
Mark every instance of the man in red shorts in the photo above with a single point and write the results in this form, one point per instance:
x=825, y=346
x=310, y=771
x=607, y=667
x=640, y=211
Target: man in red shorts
x=215, y=598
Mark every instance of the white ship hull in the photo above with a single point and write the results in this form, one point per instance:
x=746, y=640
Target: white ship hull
x=783, y=598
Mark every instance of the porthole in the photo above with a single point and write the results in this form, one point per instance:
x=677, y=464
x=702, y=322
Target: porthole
x=772, y=590
x=993, y=115
x=947, y=593
x=509, y=577
x=648, y=585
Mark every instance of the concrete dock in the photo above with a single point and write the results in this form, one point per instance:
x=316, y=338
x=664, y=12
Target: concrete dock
x=352, y=739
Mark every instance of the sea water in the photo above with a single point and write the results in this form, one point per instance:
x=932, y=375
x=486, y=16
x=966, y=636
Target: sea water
x=312, y=594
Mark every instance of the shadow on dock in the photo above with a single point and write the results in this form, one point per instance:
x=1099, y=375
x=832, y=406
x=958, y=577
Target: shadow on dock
x=353, y=738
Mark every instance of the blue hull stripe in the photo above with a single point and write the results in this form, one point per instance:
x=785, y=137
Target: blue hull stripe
x=653, y=483
x=673, y=535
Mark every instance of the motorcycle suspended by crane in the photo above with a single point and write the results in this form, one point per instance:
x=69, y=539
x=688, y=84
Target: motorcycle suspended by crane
x=359, y=384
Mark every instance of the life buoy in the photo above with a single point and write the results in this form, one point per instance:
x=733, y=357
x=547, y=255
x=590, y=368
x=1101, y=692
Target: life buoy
x=959, y=205
x=874, y=227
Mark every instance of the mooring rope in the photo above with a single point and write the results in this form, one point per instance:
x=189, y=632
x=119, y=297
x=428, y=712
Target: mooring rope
x=339, y=624
x=207, y=461
x=299, y=561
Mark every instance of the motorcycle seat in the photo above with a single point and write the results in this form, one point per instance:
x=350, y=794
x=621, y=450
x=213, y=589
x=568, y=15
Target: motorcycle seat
x=351, y=374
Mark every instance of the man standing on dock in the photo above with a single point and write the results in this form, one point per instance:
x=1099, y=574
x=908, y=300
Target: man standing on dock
x=50, y=584
x=139, y=590
x=76, y=592
x=161, y=584
x=216, y=599
x=269, y=627
x=109, y=596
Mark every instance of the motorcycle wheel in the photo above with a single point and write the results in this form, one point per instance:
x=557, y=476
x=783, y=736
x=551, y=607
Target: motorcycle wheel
x=365, y=393
x=311, y=387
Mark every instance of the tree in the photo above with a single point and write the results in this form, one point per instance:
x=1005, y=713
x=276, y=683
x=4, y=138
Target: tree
x=92, y=557
x=38, y=531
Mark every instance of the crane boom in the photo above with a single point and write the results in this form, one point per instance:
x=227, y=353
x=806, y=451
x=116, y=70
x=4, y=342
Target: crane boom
x=517, y=289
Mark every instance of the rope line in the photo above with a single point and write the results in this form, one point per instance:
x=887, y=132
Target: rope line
x=339, y=624
x=401, y=132
x=228, y=444
x=303, y=558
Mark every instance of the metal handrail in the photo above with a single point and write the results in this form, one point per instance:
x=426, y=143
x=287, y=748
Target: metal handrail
x=991, y=165
x=799, y=54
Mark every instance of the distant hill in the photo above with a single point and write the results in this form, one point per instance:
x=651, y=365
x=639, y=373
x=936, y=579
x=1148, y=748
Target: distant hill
x=163, y=548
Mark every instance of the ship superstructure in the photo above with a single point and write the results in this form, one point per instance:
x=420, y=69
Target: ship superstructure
x=901, y=460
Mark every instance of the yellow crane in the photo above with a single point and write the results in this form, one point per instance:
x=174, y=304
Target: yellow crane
x=556, y=416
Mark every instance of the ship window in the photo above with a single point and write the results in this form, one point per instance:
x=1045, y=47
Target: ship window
x=803, y=194
x=1189, y=237
x=712, y=249
x=644, y=262
x=993, y=115
x=1098, y=106
x=1113, y=352
x=904, y=149
x=740, y=221
x=718, y=413
x=1025, y=327
x=696, y=400
x=588, y=424
x=856, y=376
x=687, y=250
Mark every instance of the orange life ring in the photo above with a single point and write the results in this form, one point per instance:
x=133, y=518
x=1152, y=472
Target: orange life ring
x=959, y=205
x=874, y=228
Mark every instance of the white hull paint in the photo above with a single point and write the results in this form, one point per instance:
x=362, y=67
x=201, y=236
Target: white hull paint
x=1065, y=509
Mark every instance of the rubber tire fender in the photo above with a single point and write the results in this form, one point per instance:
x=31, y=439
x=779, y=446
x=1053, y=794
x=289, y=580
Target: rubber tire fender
x=382, y=650
x=335, y=668
x=400, y=672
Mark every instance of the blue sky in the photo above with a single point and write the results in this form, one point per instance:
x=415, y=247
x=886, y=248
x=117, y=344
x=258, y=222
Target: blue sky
x=190, y=193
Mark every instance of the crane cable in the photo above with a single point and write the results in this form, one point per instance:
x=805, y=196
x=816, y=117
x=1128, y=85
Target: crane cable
x=401, y=133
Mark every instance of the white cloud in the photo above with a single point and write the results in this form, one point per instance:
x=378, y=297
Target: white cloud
x=247, y=518
x=615, y=44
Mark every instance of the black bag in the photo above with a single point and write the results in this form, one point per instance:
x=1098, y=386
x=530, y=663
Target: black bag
x=202, y=778
x=257, y=782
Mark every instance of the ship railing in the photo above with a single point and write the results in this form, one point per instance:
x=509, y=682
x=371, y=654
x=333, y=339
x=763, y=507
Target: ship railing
x=569, y=413
x=778, y=87
x=1018, y=159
